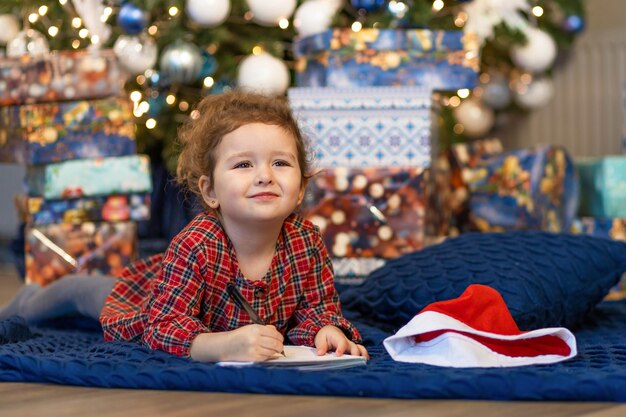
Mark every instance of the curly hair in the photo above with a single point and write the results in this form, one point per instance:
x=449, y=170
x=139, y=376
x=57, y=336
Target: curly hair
x=217, y=115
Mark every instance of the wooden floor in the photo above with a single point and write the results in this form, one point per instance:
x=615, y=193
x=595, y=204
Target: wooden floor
x=17, y=399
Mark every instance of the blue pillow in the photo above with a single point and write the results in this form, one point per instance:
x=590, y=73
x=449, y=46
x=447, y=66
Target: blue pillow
x=546, y=279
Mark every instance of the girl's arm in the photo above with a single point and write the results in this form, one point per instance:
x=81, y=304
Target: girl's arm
x=319, y=305
x=173, y=311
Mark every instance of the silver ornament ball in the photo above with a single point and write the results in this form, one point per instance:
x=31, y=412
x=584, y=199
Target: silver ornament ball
x=181, y=62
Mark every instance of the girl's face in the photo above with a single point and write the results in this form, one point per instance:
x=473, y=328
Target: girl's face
x=256, y=177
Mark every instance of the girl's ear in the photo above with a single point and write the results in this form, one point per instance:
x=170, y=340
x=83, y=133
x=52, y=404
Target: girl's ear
x=305, y=181
x=208, y=196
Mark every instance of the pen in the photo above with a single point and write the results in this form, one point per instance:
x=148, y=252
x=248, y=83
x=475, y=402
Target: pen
x=233, y=291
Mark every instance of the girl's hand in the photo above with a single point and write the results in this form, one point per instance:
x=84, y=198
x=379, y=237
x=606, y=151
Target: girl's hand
x=248, y=343
x=332, y=338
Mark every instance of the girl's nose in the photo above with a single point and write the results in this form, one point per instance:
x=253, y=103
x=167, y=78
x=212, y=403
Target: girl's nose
x=264, y=176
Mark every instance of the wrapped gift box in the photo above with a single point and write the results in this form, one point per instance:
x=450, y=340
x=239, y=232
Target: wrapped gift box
x=525, y=189
x=442, y=60
x=94, y=248
x=369, y=212
x=60, y=75
x=601, y=227
x=454, y=169
x=111, y=208
x=90, y=177
x=366, y=127
x=603, y=186
x=54, y=132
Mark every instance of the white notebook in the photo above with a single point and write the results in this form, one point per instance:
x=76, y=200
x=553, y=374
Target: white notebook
x=304, y=358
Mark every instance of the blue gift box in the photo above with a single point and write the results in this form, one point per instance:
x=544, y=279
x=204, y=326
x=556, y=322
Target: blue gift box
x=54, y=132
x=441, y=60
x=366, y=127
x=603, y=186
x=110, y=208
x=523, y=189
x=90, y=177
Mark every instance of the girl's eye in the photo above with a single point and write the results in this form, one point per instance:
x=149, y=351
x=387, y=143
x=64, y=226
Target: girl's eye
x=282, y=163
x=244, y=164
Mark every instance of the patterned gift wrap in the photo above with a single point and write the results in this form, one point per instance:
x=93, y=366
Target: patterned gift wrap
x=603, y=186
x=111, y=208
x=90, y=177
x=441, y=60
x=366, y=127
x=60, y=75
x=455, y=169
x=369, y=212
x=55, y=250
x=55, y=132
x=601, y=227
x=533, y=189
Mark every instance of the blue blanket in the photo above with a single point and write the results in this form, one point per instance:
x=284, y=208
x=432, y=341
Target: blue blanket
x=80, y=357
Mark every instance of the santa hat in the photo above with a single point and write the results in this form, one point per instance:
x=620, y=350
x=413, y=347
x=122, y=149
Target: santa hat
x=476, y=330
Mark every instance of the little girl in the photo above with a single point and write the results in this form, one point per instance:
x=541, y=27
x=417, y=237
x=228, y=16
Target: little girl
x=246, y=159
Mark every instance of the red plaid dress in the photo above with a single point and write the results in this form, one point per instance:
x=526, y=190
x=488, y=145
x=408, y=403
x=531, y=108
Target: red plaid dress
x=166, y=301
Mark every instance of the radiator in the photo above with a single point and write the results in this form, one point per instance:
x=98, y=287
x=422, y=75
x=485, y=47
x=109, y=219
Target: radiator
x=587, y=114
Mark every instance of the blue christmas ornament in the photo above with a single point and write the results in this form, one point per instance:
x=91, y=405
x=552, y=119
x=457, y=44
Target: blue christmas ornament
x=368, y=5
x=573, y=23
x=209, y=65
x=132, y=19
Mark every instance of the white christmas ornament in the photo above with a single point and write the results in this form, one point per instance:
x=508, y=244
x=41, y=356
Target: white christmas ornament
x=539, y=52
x=10, y=27
x=484, y=15
x=263, y=73
x=314, y=16
x=28, y=42
x=536, y=94
x=136, y=53
x=208, y=13
x=270, y=12
x=476, y=118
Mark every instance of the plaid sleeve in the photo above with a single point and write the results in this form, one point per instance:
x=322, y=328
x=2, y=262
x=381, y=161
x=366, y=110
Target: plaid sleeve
x=320, y=304
x=173, y=311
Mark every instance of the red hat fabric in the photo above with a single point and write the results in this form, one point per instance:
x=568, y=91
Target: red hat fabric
x=476, y=330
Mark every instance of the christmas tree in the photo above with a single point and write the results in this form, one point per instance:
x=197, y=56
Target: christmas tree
x=180, y=50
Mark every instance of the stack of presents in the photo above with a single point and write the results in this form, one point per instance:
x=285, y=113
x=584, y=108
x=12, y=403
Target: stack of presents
x=365, y=99
x=384, y=188
x=64, y=117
